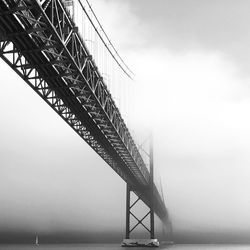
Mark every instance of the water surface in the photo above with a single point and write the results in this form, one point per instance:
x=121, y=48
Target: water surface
x=117, y=247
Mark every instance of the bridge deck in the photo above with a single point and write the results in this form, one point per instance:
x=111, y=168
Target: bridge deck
x=39, y=40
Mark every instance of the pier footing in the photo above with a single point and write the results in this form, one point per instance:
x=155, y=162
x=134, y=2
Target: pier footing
x=140, y=243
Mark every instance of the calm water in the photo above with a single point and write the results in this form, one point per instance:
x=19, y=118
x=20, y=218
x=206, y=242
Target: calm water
x=117, y=247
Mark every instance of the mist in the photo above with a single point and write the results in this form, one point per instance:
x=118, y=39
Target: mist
x=191, y=87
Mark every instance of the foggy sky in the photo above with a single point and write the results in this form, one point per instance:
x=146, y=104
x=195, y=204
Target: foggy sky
x=191, y=60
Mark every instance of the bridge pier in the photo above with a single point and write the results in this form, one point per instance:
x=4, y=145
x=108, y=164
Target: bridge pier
x=152, y=242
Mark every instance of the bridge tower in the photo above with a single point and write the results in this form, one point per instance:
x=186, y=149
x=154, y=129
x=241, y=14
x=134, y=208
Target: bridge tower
x=151, y=241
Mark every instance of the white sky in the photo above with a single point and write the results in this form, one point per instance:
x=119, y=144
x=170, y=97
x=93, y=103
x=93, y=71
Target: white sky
x=192, y=85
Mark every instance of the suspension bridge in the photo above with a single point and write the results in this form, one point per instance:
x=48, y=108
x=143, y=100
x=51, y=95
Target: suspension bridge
x=60, y=49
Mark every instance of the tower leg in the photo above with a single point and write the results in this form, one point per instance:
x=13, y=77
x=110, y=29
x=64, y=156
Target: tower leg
x=151, y=165
x=128, y=213
x=152, y=224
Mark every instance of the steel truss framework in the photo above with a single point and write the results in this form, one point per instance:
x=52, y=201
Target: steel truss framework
x=40, y=42
x=130, y=213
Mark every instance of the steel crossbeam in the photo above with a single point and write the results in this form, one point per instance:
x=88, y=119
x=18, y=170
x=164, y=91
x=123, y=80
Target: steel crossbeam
x=40, y=42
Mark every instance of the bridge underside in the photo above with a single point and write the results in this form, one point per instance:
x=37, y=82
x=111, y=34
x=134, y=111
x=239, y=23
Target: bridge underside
x=40, y=42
